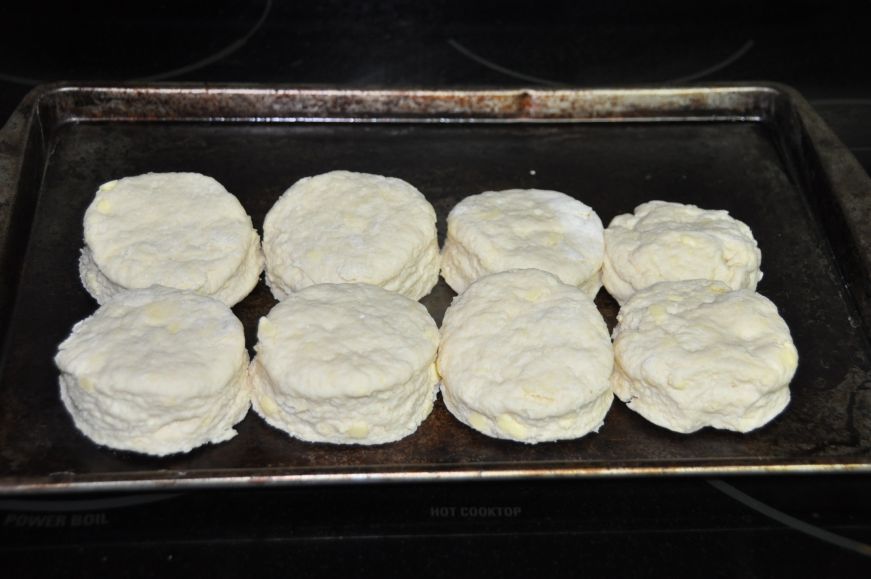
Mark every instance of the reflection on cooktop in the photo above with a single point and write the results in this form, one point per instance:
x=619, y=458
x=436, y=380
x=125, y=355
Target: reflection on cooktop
x=815, y=46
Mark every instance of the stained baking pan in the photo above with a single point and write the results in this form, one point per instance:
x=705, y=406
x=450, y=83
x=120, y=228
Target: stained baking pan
x=758, y=151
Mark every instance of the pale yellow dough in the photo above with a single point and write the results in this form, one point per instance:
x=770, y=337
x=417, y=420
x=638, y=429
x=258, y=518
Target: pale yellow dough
x=526, y=357
x=345, y=227
x=345, y=363
x=523, y=229
x=663, y=241
x=178, y=230
x=156, y=371
x=693, y=353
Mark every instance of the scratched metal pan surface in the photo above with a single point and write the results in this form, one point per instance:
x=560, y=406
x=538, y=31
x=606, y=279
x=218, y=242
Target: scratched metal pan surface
x=758, y=151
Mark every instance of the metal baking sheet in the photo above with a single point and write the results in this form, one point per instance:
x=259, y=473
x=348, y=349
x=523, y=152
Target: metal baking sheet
x=758, y=151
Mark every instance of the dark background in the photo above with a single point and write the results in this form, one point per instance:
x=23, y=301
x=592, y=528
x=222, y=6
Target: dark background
x=686, y=527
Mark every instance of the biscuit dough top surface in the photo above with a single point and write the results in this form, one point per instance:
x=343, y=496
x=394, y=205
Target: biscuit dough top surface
x=156, y=342
x=337, y=340
x=664, y=241
x=342, y=227
x=525, y=343
x=180, y=230
x=697, y=338
x=530, y=228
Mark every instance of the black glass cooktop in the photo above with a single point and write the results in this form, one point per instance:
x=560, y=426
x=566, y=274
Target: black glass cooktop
x=796, y=526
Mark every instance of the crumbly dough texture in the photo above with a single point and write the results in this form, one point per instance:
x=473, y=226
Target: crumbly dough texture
x=663, y=241
x=520, y=229
x=693, y=353
x=344, y=227
x=345, y=363
x=526, y=357
x=179, y=230
x=157, y=371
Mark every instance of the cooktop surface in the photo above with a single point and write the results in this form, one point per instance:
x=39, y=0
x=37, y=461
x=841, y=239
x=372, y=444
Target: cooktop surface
x=798, y=526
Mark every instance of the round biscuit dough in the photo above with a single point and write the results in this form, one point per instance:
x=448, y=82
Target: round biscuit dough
x=345, y=363
x=664, y=241
x=523, y=229
x=526, y=357
x=691, y=354
x=156, y=371
x=178, y=230
x=344, y=227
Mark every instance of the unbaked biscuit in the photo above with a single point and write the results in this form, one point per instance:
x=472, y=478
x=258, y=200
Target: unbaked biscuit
x=663, y=241
x=344, y=227
x=520, y=229
x=526, y=357
x=179, y=230
x=693, y=353
x=156, y=371
x=345, y=363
